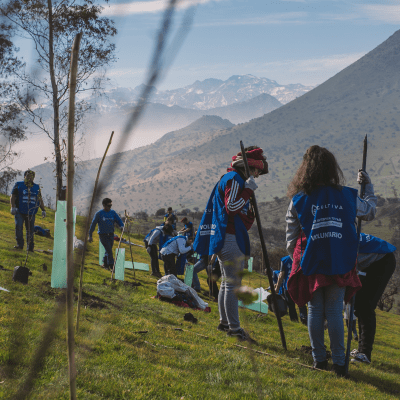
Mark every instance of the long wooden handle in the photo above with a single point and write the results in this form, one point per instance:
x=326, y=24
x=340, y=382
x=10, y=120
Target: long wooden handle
x=264, y=251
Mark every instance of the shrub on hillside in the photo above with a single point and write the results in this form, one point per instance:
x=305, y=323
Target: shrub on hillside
x=160, y=212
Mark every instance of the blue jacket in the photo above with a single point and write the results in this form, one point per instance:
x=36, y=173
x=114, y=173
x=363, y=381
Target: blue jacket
x=210, y=236
x=21, y=191
x=105, y=220
x=371, y=244
x=327, y=217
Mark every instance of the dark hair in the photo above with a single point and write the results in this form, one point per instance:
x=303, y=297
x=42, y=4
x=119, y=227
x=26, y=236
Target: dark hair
x=29, y=171
x=319, y=167
x=169, y=209
x=170, y=219
x=167, y=228
x=106, y=201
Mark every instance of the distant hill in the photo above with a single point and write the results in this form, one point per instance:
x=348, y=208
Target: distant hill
x=363, y=98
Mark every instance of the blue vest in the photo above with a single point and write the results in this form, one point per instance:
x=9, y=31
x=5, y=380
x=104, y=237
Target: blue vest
x=328, y=217
x=171, y=240
x=24, y=197
x=149, y=234
x=287, y=268
x=371, y=244
x=190, y=233
x=210, y=236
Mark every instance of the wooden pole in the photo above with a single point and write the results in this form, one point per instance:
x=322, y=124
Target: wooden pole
x=70, y=218
x=130, y=245
x=362, y=193
x=88, y=221
x=264, y=250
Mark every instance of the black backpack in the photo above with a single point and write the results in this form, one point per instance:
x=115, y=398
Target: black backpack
x=21, y=274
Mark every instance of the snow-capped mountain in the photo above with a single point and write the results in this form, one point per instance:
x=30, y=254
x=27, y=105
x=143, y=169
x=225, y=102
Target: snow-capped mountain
x=213, y=93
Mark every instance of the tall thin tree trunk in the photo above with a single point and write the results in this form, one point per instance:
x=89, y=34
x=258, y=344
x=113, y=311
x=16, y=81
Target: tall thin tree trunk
x=56, y=106
x=70, y=219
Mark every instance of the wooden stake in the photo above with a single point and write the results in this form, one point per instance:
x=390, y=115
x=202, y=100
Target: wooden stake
x=88, y=221
x=70, y=218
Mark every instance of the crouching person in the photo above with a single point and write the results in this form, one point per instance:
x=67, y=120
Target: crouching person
x=171, y=249
x=156, y=236
x=106, y=218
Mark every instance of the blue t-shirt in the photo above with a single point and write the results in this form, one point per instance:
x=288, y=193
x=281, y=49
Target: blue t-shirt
x=105, y=220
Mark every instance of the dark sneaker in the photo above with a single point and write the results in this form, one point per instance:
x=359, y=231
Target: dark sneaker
x=320, y=364
x=18, y=247
x=354, y=352
x=157, y=275
x=223, y=328
x=241, y=334
x=339, y=370
x=356, y=338
x=361, y=358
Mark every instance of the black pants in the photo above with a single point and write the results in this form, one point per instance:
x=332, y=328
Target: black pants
x=215, y=275
x=169, y=264
x=155, y=266
x=373, y=286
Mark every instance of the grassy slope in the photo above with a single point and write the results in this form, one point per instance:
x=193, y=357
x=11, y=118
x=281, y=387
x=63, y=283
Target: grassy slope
x=114, y=362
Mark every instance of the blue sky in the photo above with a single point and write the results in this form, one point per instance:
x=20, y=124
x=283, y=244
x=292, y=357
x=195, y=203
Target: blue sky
x=299, y=41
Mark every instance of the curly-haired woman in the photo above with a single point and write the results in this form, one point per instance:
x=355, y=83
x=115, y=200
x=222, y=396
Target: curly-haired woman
x=223, y=231
x=322, y=240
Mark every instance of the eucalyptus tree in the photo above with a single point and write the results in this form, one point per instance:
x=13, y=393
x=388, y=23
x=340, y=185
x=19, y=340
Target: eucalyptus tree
x=52, y=25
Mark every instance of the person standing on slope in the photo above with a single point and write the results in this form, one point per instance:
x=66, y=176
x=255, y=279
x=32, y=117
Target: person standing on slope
x=25, y=201
x=223, y=231
x=106, y=218
x=322, y=240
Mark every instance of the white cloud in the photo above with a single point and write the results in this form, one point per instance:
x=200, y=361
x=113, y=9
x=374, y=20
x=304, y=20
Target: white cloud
x=146, y=7
x=269, y=19
x=382, y=12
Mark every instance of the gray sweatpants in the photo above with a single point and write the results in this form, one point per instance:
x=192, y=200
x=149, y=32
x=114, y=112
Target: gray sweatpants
x=231, y=262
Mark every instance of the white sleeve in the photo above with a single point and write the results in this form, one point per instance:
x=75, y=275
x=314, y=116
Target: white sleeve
x=182, y=246
x=293, y=229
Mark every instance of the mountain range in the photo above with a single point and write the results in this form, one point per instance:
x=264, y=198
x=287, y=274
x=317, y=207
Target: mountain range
x=362, y=99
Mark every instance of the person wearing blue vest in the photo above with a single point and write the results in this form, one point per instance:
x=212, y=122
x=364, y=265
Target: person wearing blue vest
x=376, y=263
x=173, y=215
x=25, y=201
x=188, y=230
x=156, y=236
x=172, y=248
x=322, y=241
x=106, y=218
x=223, y=231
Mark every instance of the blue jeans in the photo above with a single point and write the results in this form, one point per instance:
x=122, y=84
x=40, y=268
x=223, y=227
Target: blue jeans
x=231, y=263
x=327, y=302
x=199, y=266
x=107, y=240
x=29, y=221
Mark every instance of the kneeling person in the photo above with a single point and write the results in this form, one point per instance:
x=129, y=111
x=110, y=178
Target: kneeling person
x=106, y=218
x=171, y=249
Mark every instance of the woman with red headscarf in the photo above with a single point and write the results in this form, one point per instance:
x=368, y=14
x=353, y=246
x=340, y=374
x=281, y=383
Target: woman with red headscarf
x=223, y=231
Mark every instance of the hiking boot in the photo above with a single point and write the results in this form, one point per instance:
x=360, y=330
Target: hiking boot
x=241, y=334
x=320, y=364
x=361, y=358
x=223, y=328
x=18, y=247
x=157, y=274
x=354, y=352
x=339, y=370
x=356, y=338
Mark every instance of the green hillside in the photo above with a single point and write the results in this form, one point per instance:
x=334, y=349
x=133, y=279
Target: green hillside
x=172, y=359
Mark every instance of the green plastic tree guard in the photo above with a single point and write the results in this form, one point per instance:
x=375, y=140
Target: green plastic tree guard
x=188, y=274
x=138, y=266
x=250, y=265
x=102, y=251
x=59, y=264
x=119, y=264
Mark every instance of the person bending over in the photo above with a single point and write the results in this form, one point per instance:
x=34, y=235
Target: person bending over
x=105, y=219
x=376, y=263
x=171, y=249
x=156, y=236
x=322, y=240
